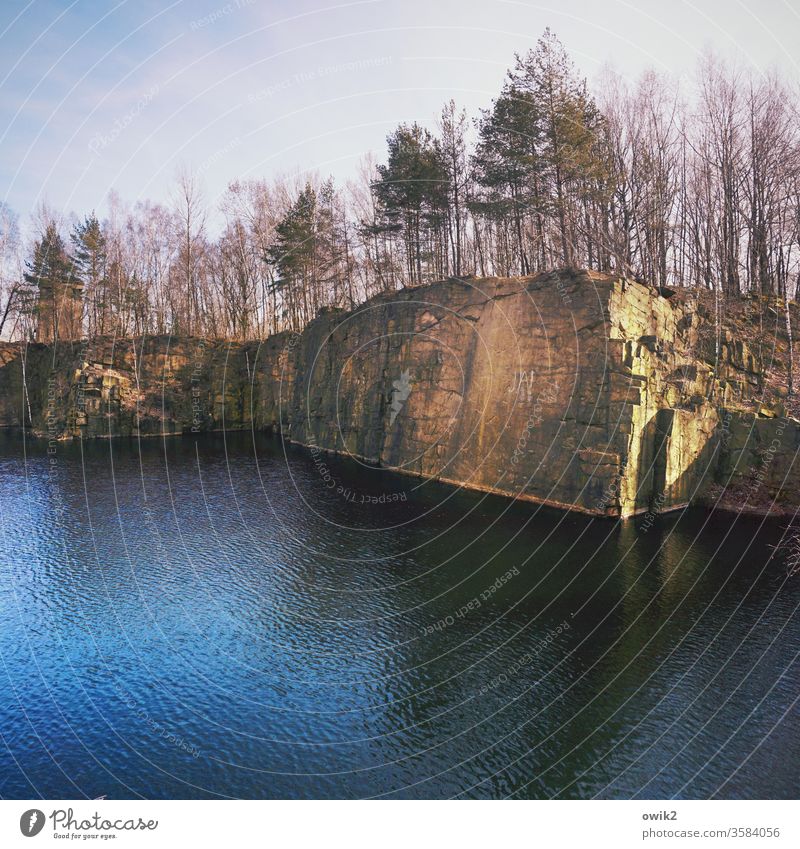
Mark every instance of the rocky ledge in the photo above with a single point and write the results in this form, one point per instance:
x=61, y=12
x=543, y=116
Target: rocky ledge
x=572, y=388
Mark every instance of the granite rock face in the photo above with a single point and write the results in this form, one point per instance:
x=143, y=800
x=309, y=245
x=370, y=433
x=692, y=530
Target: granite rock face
x=570, y=388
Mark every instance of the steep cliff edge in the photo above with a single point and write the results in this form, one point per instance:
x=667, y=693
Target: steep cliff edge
x=571, y=388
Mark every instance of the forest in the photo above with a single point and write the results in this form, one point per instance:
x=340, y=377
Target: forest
x=691, y=183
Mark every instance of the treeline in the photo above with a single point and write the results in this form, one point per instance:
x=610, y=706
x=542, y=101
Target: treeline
x=694, y=186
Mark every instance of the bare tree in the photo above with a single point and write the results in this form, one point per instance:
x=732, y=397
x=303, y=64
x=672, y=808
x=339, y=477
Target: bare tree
x=191, y=215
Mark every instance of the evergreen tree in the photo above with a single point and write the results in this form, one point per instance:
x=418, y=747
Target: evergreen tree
x=50, y=271
x=540, y=159
x=293, y=254
x=412, y=192
x=506, y=167
x=90, y=261
x=570, y=131
x=331, y=246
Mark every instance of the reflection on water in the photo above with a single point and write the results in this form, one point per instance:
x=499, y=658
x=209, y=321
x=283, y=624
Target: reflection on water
x=218, y=617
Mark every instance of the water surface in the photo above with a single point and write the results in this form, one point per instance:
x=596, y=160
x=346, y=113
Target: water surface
x=230, y=617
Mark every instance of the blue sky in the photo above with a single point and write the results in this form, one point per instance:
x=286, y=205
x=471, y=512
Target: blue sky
x=98, y=96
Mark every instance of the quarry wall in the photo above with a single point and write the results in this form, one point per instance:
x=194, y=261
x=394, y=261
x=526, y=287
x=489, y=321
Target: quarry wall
x=572, y=388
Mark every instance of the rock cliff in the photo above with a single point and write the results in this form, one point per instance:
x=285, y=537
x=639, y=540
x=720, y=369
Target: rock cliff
x=572, y=388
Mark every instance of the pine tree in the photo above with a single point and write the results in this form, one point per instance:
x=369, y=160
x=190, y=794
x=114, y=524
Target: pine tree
x=90, y=261
x=571, y=130
x=506, y=167
x=540, y=159
x=293, y=255
x=331, y=246
x=59, y=308
x=412, y=193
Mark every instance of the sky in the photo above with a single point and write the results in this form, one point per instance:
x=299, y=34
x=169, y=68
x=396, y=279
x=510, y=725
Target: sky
x=118, y=96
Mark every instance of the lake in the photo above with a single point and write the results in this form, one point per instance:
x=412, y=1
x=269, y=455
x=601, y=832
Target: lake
x=230, y=616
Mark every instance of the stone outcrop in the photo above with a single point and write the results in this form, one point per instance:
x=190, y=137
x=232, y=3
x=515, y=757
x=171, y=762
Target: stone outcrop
x=571, y=388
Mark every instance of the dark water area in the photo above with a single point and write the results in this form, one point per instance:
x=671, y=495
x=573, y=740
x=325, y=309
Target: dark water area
x=228, y=616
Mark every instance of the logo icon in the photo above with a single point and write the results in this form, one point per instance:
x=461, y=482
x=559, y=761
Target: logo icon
x=400, y=393
x=31, y=822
